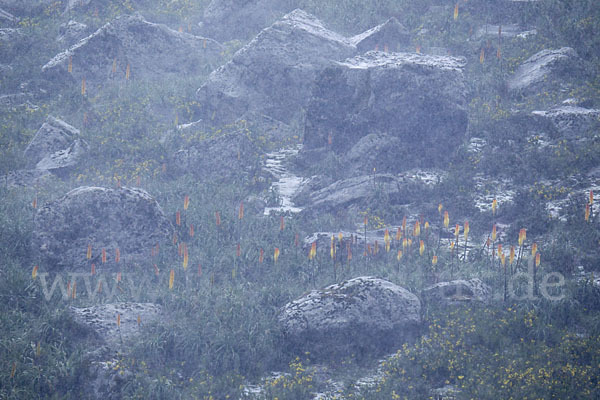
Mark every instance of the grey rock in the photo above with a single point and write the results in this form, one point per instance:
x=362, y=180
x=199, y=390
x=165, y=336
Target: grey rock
x=127, y=218
x=572, y=121
x=355, y=191
x=102, y=320
x=28, y=178
x=374, y=151
x=457, y=291
x=419, y=99
x=71, y=32
x=5, y=15
x=8, y=35
x=542, y=67
x=272, y=75
x=364, y=313
x=65, y=160
x=222, y=157
x=391, y=34
x=225, y=20
x=152, y=51
x=54, y=135
x=506, y=31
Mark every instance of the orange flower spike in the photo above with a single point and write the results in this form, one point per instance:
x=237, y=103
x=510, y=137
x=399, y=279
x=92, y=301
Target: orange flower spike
x=386, y=235
x=349, y=251
x=238, y=250
x=241, y=211
x=218, y=218
x=409, y=242
x=281, y=223
x=191, y=230
x=591, y=197
x=13, y=371
x=466, y=230
x=276, y=255
x=174, y=238
x=456, y=12
x=127, y=72
x=587, y=213
x=494, y=206
x=494, y=234
x=186, y=202
x=426, y=226
x=70, y=66
x=118, y=320
x=446, y=219
x=398, y=234
x=417, y=229
x=185, y=257
x=405, y=243
x=139, y=320
x=522, y=236
x=500, y=248
x=118, y=277
x=511, y=257
x=538, y=258
x=171, y=279
x=88, y=254
x=93, y=272
x=340, y=237
x=103, y=256
x=34, y=272
x=452, y=246
x=502, y=259
x=457, y=231
x=366, y=220
x=34, y=202
x=296, y=240
x=332, y=247
x=114, y=66
x=399, y=256
x=83, y=87
x=178, y=218
x=482, y=55
x=117, y=255
x=440, y=208
x=261, y=256
x=434, y=260
x=534, y=249
x=156, y=270
x=421, y=247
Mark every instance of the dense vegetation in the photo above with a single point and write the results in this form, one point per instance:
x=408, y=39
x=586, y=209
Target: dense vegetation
x=221, y=331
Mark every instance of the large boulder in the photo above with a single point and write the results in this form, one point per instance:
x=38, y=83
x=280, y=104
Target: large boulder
x=101, y=320
x=63, y=161
x=71, y=32
x=364, y=314
x=222, y=157
x=457, y=291
x=55, y=140
x=391, y=35
x=418, y=99
x=272, y=74
x=149, y=50
x=225, y=20
x=128, y=219
x=542, y=67
x=572, y=121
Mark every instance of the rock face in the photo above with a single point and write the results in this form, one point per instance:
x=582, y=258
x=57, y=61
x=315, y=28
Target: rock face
x=152, y=51
x=273, y=74
x=391, y=35
x=222, y=157
x=572, y=121
x=55, y=147
x=71, y=32
x=419, y=99
x=102, y=320
x=225, y=20
x=457, y=291
x=361, y=313
x=541, y=67
x=128, y=219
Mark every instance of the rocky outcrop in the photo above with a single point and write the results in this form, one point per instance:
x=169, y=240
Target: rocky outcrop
x=363, y=313
x=101, y=320
x=56, y=147
x=71, y=32
x=128, y=219
x=130, y=43
x=547, y=65
x=457, y=291
x=6, y=16
x=572, y=121
x=222, y=157
x=273, y=74
x=226, y=20
x=418, y=99
x=28, y=178
x=390, y=35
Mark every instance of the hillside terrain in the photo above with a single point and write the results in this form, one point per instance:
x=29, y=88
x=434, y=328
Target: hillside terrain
x=298, y=199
